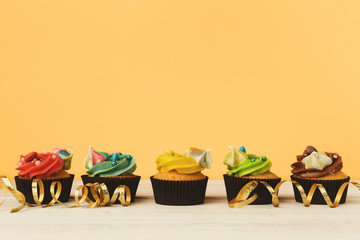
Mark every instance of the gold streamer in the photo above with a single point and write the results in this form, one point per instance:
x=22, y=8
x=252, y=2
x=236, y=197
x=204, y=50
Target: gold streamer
x=307, y=198
x=242, y=199
x=274, y=192
x=6, y=186
x=99, y=192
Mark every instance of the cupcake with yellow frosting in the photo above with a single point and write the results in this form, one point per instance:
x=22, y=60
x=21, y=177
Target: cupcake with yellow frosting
x=179, y=180
x=112, y=169
x=244, y=168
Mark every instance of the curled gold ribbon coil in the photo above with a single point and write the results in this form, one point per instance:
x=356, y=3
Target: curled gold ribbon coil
x=274, y=192
x=6, y=186
x=307, y=198
x=242, y=199
x=99, y=192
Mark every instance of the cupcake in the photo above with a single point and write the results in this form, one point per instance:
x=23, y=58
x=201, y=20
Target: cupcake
x=49, y=167
x=244, y=168
x=111, y=169
x=322, y=168
x=179, y=180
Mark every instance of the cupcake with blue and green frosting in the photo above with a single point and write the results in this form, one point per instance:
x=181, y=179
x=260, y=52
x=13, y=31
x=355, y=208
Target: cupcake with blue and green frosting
x=112, y=169
x=244, y=168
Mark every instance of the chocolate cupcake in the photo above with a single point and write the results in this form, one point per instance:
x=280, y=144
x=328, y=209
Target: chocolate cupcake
x=179, y=180
x=313, y=167
x=111, y=169
x=244, y=168
x=49, y=167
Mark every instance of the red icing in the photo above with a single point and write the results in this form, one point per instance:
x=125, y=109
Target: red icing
x=50, y=163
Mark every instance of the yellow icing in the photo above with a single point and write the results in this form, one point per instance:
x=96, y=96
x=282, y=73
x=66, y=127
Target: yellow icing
x=175, y=161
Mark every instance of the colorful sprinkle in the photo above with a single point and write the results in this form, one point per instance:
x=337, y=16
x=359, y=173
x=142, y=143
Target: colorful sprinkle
x=242, y=149
x=114, y=157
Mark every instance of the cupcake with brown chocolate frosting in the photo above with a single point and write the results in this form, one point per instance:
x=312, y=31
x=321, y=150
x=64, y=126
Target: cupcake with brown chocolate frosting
x=314, y=167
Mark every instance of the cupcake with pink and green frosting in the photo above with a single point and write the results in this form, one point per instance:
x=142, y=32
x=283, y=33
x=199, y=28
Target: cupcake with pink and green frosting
x=113, y=169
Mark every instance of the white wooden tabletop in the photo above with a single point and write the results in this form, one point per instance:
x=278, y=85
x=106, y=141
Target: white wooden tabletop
x=213, y=220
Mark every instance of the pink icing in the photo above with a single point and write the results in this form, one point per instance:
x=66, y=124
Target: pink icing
x=39, y=165
x=96, y=157
x=56, y=150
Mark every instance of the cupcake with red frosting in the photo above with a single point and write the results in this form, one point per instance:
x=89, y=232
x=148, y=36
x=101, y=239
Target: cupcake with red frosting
x=49, y=167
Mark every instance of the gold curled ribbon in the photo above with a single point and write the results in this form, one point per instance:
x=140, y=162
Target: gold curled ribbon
x=6, y=186
x=307, y=198
x=242, y=199
x=99, y=192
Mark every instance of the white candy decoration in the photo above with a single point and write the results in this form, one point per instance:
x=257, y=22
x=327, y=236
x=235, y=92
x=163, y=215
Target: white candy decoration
x=201, y=157
x=20, y=164
x=317, y=160
x=53, y=156
x=37, y=163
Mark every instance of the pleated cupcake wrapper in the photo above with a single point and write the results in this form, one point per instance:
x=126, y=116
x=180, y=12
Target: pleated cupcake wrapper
x=179, y=193
x=25, y=187
x=112, y=183
x=331, y=187
x=233, y=186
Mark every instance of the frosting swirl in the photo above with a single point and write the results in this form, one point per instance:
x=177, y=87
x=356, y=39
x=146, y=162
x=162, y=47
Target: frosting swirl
x=109, y=165
x=194, y=161
x=46, y=164
x=314, y=164
x=241, y=164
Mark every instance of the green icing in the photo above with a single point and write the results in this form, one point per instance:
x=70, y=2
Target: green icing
x=107, y=168
x=254, y=165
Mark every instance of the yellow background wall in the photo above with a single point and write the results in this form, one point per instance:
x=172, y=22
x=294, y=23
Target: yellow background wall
x=143, y=76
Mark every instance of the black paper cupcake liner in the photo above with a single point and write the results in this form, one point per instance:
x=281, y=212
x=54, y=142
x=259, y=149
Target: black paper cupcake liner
x=24, y=186
x=233, y=186
x=113, y=182
x=179, y=193
x=331, y=187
